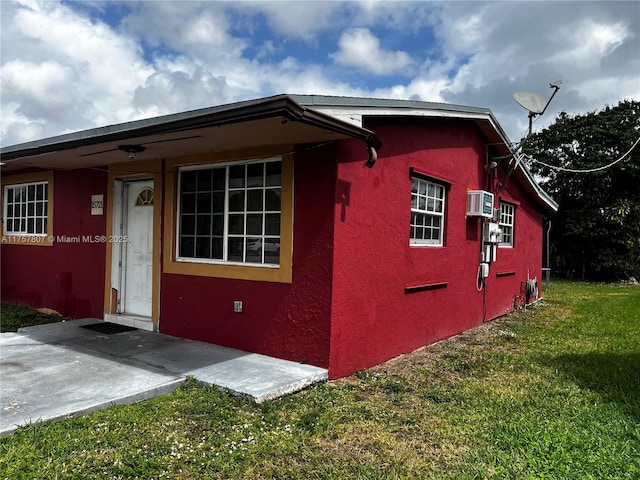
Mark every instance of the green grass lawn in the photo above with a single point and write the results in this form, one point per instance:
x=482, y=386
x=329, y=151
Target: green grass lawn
x=551, y=393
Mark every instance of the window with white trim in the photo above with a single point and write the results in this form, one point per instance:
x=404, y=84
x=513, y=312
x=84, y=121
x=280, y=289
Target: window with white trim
x=230, y=213
x=26, y=208
x=427, y=212
x=507, y=219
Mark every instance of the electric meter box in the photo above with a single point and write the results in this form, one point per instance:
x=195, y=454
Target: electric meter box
x=479, y=204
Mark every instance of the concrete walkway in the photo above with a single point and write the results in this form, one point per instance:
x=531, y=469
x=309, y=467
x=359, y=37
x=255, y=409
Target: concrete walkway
x=61, y=370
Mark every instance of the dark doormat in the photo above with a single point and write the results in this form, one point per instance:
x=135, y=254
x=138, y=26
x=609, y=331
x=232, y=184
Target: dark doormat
x=108, y=328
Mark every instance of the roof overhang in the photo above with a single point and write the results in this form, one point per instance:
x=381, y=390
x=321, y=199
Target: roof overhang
x=272, y=121
x=353, y=110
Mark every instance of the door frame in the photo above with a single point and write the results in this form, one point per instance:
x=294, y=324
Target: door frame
x=140, y=170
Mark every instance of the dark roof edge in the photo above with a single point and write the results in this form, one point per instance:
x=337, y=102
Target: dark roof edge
x=269, y=107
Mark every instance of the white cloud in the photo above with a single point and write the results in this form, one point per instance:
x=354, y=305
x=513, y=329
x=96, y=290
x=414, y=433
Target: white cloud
x=61, y=72
x=360, y=48
x=298, y=19
x=64, y=69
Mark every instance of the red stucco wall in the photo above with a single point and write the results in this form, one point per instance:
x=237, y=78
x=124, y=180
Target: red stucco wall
x=67, y=277
x=373, y=319
x=289, y=321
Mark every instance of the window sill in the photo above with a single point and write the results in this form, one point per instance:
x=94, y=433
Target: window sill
x=264, y=273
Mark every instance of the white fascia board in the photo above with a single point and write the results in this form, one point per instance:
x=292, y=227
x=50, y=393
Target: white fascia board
x=355, y=114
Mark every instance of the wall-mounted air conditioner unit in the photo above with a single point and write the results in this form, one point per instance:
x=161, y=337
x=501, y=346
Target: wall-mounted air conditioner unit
x=479, y=204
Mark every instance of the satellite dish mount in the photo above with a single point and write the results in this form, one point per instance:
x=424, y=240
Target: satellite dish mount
x=535, y=103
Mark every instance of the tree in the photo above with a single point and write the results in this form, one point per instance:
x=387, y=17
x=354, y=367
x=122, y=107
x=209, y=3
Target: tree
x=596, y=231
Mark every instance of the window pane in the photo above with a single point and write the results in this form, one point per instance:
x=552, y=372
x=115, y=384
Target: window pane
x=203, y=226
x=272, y=251
x=254, y=250
x=10, y=195
x=9, y=225
x=218, y=202
x=204, y=180
x=39, y=225
x=254, y=200
x=46, y=223
x=272, y=224
x=236, y=176
x=218, y=178
x=236, y=201
x=216, y=247
x=254, y=224
x=40, y=192
x=218, y=224
x=272, y=199
x=31, y=209
x=9, y=210
x=31, y=192
x=203, y=247
x=46, y=190
x=203, y=204
x=274, y=174
x=255, y=174
x=187, y=246
x=188, y=181
x=236, y=224
x=188, y=203
x=187, y=224
x=234, y=249
x=39, y=209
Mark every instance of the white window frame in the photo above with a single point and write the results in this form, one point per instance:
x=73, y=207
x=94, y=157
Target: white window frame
x=507, y=224
x=43, y=216
x=265, y=238
x=427, y=208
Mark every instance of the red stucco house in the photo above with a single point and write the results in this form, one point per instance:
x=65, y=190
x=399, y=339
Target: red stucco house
x=336, y=231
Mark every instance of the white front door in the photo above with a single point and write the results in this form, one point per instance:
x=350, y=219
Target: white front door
x=138, y=249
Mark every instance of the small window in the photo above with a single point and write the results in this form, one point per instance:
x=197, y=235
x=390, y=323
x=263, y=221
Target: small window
x=230, y=214
x=144, y=197
x=427, y=212
x=507, y=219
x=26, y=209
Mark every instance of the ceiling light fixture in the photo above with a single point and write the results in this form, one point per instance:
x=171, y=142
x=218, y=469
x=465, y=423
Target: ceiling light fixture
x=132, y=150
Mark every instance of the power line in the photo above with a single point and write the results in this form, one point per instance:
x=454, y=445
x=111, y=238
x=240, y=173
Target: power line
x=590, y=170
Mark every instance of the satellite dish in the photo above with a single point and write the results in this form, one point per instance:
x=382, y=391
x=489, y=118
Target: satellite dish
x=531, y=101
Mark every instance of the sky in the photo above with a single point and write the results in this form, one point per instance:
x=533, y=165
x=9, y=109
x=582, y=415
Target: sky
x=69, y=66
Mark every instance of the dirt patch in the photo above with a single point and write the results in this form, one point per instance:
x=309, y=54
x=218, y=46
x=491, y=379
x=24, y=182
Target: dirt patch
x=483, y=337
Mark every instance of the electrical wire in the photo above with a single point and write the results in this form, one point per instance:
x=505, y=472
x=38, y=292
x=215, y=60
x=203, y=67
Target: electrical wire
x=589, y=170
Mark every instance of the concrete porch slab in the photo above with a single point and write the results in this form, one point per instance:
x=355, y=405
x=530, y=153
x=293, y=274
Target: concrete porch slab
x=62, y=370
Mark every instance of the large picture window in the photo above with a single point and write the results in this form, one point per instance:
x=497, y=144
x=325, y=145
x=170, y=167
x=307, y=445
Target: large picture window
x=507, y=220
x=230, y=213
x=427, y=212
x=26, y=209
